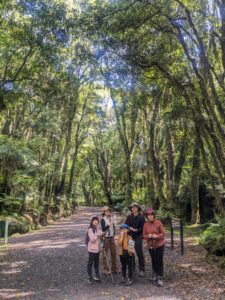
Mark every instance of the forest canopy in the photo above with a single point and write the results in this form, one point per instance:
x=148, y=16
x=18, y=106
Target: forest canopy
x=113, y=102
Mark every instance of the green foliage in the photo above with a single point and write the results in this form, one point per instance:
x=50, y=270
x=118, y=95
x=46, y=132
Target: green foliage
x=122, y=207
x=109, y=102
x=165, y=216
x=20, y=225
x=15, y=152
x=11, y=203
x=213, y=238
x=219, y=260
x=196, y=230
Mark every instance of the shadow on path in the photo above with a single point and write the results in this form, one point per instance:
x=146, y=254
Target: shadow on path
x=51, y=264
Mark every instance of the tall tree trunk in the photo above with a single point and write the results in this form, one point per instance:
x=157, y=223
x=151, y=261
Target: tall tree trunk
x=104, y=171
x=178, y=168
x=152, y=153
x=218, y=200
x=7, y=124
x=77, y=141
x=169, y=166
x=150, y=191
x=71, y=114
x=195, y=181
x=72, y=171
x=121, y=126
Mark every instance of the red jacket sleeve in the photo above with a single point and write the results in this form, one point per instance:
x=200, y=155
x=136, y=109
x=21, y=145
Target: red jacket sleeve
x=161, y=231
x=145, y=232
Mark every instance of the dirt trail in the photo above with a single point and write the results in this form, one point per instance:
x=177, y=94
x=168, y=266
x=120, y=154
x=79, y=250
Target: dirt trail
x=51, y=264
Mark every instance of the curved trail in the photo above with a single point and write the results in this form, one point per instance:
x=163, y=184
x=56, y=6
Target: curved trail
x=51, y=264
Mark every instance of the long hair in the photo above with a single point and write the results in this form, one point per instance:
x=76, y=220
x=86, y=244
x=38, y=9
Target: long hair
x=92, y=226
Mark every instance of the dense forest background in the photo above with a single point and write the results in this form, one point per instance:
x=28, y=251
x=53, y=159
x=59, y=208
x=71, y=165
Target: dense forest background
x=112, y=102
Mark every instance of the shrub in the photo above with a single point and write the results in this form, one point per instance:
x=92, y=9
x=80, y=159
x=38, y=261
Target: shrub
x=164, y=216
x=213, y=238
x=118, y=207
x=195, y=230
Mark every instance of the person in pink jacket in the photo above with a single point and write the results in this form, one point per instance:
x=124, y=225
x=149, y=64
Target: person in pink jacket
x=154, y=233
x=93, y=243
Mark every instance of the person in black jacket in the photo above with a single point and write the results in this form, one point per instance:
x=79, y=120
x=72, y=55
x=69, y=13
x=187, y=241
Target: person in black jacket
x=136, y=221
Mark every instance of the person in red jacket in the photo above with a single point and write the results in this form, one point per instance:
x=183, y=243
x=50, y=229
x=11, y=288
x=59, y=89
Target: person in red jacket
x=154, y=233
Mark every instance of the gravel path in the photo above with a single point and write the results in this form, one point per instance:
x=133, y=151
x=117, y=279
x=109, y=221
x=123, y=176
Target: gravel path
x=51, y=264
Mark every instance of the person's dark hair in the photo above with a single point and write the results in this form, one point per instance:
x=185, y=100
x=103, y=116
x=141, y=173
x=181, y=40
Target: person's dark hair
x=91, y=224
x=137, y=205
x=150, y=213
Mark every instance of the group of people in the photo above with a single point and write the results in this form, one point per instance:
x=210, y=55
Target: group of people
x=100, y=238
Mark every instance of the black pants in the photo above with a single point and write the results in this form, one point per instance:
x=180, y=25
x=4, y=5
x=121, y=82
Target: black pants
x=157, y=260
x=126, y=262
x=139, y=250
x=93, y=259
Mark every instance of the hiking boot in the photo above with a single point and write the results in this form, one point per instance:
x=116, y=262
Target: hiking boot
x=153, y=277
x=96, y=278
x=141, y=274
x=128, y=282
x=160, y=281
x=123, y=280
x=90, y=281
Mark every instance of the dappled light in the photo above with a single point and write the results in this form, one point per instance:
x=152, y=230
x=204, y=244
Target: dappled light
x=52, y=265
x=112, y=112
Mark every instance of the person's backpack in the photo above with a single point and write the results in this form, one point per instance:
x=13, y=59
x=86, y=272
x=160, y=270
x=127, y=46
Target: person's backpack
x=87, y=239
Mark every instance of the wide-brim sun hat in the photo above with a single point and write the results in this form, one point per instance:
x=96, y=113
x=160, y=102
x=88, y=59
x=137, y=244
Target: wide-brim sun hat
x=135, y=204
x=106, y=208
x=124, y=226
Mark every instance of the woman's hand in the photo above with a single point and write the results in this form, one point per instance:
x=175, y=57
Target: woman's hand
x=154, y=236
x=132, y=229
x=149, y=235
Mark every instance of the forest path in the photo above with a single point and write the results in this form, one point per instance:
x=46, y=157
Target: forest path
x=51, y=264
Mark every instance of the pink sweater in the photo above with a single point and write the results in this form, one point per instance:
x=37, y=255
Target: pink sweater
x=94, y=242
